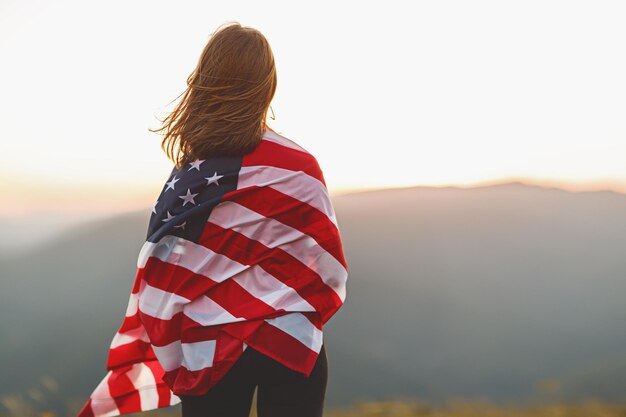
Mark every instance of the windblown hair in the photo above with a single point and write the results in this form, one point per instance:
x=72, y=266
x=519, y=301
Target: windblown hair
x=224, y=108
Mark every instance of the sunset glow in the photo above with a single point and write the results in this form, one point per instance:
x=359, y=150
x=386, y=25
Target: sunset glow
x=397, y=95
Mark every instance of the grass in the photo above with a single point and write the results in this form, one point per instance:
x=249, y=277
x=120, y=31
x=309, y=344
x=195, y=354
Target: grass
x=460, y=408
x=403, y=408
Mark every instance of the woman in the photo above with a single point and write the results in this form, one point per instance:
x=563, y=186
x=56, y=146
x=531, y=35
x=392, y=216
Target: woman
x=243, y=262
x=225, y=114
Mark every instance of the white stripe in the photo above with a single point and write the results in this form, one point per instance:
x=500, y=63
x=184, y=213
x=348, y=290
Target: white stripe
x=143, y=380
x=271, y=291
x=199, y=355
x=193, y=356
x=297, y=184
x=272, y=233
x=133, y=304
x=170, y=356
x=282, y=140
x=130, y=336
x=102, y=404
x=174, y=399
x=158, y=303
x=208, y=313
x=197, y=258
x=299, y=327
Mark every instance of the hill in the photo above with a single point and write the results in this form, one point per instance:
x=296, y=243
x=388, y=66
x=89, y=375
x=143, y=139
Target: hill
x=484, y=292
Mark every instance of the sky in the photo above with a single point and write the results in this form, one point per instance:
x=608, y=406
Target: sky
x=384, y=94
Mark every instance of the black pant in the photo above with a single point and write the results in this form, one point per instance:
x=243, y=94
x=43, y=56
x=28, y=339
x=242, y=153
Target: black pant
x=281, y=391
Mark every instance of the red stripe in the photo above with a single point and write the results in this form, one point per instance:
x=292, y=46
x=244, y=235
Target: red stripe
x=136, y=283
x=165, y=394
x=294, y=213
x=192, y=331
x=123, y=391
x=239, y=302
x=129, y=353
x=241, y=330
x=175, y=279
x=130, y=323
x=272, y=154
x=86, y=411
x=316, y=319
x=163, y=332
x=186, y=382
x=181, y=327
x=283, y=348
x=230, y=348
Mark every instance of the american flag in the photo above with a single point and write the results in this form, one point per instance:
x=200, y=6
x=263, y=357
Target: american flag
x=240, y=251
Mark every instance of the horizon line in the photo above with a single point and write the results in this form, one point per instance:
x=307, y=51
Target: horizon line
x=137, y=197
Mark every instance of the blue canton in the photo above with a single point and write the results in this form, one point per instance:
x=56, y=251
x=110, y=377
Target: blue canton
x=189, y=195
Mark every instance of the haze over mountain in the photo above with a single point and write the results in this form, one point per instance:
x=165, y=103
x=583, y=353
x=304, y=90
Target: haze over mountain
x=477, y=292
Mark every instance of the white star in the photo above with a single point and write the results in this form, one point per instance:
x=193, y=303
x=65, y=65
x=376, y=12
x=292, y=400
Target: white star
x=213, y=179
x=188, y=198
x=196, y=164
x=171, y=183
x=154, y=207
x=169, y=217
x=180, y=225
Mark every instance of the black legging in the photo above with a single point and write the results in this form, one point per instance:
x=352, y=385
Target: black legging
x=281, y=391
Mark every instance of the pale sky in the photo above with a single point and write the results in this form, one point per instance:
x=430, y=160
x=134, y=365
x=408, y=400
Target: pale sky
x=384, y=94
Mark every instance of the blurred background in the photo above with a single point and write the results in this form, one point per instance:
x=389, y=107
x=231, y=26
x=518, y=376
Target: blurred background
x=475, y=156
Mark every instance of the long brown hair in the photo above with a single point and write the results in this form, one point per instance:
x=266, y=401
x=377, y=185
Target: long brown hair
x=224, y=107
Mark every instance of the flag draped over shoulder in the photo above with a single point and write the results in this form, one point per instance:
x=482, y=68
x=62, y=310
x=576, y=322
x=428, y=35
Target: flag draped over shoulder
x=240, y=251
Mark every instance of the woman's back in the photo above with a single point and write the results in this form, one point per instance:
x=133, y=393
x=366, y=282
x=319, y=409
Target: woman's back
x=243, y=261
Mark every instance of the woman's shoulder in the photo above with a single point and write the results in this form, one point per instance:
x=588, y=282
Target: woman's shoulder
x=276, y=137
x=291, y=155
